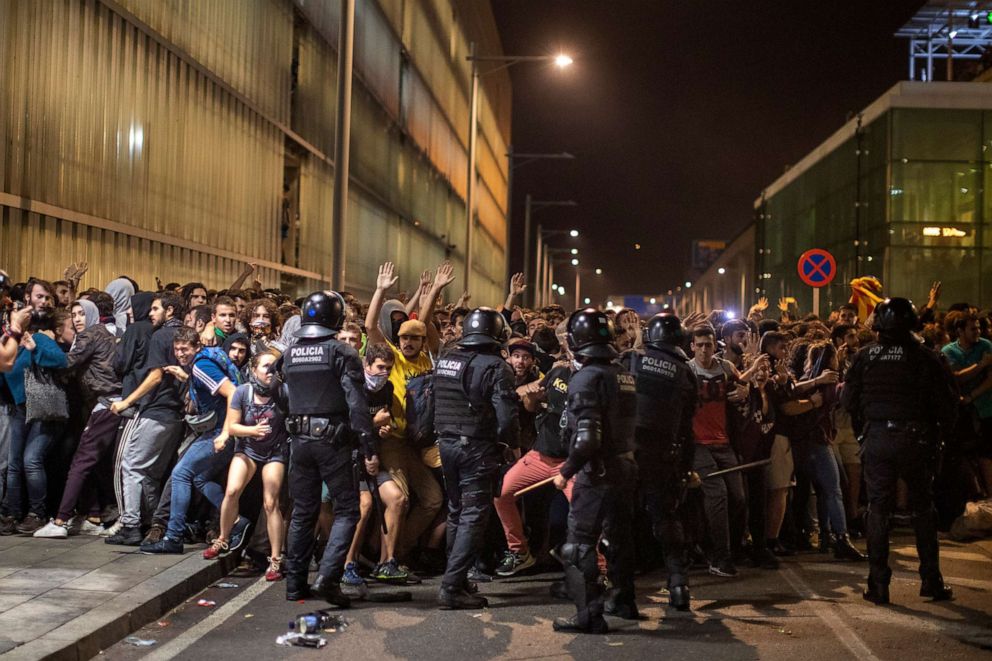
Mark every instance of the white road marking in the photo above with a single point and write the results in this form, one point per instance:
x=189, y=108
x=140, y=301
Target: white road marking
x=176, y=646
x=825, y=611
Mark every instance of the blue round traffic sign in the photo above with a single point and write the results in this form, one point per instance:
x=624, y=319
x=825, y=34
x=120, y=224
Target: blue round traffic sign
x=817, y=267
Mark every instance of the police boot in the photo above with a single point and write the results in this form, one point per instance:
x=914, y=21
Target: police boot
x=935, y=590
x=678, y=597
x=453, y=599
x=559, y=590
x=620, y=606
x=845, y=550
x=330, y=591
x=877, y=593
x=297, y=588
x=580, y=624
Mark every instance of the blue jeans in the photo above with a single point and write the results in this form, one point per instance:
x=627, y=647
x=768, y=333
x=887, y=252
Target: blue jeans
x=29, y=445
x=198, y=466
x=820, y=464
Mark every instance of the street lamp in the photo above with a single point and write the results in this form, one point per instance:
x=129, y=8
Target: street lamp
x=543, y=252
x=721, y=270
x=504, y=61
x=531, y=205
x=523, y=159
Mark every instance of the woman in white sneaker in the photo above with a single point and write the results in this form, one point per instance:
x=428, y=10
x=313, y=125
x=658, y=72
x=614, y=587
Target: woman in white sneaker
x=262, y=444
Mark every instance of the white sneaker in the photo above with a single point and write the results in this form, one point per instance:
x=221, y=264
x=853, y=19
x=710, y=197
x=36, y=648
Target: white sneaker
x=112, y=530
x=52, y=530
x=83, y=526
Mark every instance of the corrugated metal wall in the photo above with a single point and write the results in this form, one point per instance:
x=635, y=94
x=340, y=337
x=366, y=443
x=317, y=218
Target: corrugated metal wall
x=151, y=138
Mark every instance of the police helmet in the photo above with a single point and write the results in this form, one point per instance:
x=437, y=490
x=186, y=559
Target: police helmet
x=483, y=327
x=591, y=334
x=664, y=329
x=322, y=315
x=895, y=316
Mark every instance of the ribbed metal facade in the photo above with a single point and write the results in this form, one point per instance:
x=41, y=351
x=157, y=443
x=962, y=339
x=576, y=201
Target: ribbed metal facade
x=155, y=137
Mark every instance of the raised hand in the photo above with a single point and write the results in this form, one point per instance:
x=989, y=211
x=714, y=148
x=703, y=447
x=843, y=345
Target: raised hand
x=386, y=279
x=445, y=275
x=934, y=294
x=783, y=305
x=762, y=303
x=517, y=284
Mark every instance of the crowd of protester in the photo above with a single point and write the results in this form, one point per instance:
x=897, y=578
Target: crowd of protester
x=144, y=415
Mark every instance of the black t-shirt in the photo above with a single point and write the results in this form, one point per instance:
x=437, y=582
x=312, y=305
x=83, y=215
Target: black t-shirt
x=551, y=421
x=165, y=402
x=379, y=399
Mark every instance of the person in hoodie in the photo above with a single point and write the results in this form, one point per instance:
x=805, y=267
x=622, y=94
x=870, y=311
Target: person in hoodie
x=121, y=290
x=91, y=358
x=152, y=438
x=238, y=348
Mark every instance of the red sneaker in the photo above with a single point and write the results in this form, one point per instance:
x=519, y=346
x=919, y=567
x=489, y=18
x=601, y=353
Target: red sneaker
x=274, y=572
x=216, y=550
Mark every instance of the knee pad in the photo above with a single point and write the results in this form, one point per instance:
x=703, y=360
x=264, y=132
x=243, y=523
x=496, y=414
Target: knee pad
x=579, y=555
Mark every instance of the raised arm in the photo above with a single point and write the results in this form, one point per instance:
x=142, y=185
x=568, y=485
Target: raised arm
x=383, y=282
x=445, y=276
x=517, y=287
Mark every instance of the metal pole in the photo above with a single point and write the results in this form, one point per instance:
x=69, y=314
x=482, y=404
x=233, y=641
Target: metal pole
x=530, y=290
x=538, y=268
x=578, y=288
x=509, y=224
x=470, y=195
x=342, y=143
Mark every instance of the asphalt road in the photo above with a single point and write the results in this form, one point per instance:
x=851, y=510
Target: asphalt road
x=809, y=609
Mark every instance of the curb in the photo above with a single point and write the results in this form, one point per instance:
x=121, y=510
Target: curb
x=87, y=635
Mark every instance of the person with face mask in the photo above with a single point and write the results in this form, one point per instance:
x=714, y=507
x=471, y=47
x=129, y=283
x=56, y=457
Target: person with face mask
x=377, y=364
x=261, y=444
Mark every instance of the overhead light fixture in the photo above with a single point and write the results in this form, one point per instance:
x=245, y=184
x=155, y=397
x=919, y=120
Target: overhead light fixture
x=574, y=233
x=562, y=61
x=721, y=270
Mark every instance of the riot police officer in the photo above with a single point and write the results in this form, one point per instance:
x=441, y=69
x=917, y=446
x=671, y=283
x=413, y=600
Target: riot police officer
x=900, y=397
x=475, y=413
x=601, y=414
x=666, y=402
x=326, y=408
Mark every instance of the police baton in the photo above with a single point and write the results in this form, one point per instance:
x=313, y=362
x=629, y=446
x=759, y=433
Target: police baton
x=536, y=485
x=370, y=483
x=736, y=469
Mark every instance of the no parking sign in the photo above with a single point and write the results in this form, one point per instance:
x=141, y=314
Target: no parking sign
x=817, y=267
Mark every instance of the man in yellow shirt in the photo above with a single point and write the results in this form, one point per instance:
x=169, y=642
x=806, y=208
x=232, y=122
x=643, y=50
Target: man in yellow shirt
x=411, y=350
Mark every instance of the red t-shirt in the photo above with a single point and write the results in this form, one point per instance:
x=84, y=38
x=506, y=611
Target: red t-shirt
x=709, y=425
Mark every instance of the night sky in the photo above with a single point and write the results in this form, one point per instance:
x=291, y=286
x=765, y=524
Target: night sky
x=680, y=112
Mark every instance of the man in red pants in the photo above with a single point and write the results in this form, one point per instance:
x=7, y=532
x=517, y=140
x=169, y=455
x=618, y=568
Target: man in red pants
x=547, y=398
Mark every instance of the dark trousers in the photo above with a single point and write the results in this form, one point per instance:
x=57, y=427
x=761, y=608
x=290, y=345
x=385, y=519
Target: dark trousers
x=470, y=468
x=314, y=462
x=602, y=506
x=81, y=486
x=890, y=454
x=723, y=498
x=757, y=501
x=662, y=492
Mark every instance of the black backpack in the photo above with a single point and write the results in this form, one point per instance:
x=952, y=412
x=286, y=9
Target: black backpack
x=420, y=411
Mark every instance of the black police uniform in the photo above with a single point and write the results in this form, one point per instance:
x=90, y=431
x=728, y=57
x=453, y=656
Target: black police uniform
x=475, y=413
x=602, y=411
x=666, y=402
x=900, y=395
x=326, y=408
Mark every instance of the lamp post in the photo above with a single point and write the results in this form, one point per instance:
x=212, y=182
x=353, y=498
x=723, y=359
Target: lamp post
x=524, y=159
x=504, y=61
x=543, y=269
x=530, y=206
x=342, y=143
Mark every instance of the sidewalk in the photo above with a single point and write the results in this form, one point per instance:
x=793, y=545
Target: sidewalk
x=71, y=598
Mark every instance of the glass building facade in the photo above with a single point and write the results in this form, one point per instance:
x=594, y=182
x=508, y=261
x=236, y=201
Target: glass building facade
x=184, y=139
x=901, y=192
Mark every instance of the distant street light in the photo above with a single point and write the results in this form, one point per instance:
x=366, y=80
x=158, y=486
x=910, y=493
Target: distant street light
x=599, y=271
x=687, y=284
x=575, y=262
x=721, y=270
x=574, y=234
x=575, y=251
x=561, y=61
